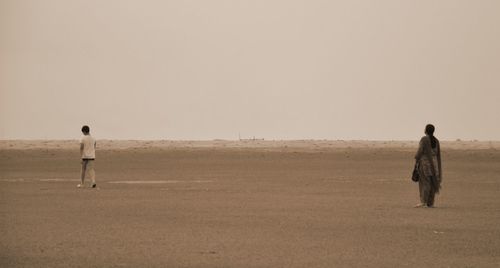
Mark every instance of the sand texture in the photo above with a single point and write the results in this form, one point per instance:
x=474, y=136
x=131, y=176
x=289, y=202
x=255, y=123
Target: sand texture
x=246, y=204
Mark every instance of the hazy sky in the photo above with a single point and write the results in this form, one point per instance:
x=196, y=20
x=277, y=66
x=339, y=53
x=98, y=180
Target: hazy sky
x=274, y=69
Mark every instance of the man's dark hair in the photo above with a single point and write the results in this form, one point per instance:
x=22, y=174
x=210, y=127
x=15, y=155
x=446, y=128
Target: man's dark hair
x=85, y=129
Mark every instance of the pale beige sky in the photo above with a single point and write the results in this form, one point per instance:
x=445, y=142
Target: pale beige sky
x=274, y=69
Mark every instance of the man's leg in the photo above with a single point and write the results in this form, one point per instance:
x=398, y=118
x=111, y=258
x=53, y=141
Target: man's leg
x=83, y=171
x=90, y=167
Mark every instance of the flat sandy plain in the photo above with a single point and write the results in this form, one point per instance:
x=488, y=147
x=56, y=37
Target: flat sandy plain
x=246, y=204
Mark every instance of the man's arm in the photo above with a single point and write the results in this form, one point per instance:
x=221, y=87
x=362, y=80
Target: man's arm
x=81, y=150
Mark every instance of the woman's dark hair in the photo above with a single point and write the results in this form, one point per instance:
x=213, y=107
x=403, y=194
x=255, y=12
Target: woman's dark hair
x=429, y=130
x=85, y=129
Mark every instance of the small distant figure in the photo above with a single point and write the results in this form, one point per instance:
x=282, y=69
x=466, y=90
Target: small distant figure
x=87, y=153
x=428, y=159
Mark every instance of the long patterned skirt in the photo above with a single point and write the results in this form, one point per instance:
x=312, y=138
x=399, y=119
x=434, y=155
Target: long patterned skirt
x=428, y=183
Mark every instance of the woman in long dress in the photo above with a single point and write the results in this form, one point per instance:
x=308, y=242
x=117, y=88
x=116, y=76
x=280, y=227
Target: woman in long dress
x=428, y=158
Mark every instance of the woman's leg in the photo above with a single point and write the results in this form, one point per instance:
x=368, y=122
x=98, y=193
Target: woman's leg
x=432, y=194
x=424, y=187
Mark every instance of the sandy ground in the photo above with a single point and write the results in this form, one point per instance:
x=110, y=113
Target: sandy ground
x=246, y=204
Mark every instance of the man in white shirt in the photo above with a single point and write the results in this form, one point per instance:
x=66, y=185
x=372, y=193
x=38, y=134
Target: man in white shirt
x=87, y=152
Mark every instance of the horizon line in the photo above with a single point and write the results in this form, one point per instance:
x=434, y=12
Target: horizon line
x=257, y=139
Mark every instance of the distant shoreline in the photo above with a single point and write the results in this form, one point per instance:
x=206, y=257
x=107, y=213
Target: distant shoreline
x=272, y=145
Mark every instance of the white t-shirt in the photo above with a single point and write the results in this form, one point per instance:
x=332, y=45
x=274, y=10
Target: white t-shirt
x=88, y=147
